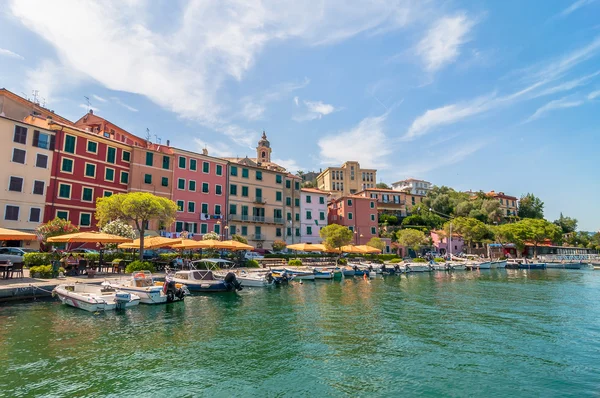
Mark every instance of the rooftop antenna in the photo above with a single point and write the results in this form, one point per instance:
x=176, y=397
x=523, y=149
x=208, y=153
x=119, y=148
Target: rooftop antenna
x=157, y=138
x=89, y=104
x=148, y=134
x=35, y=93
x=43, y=102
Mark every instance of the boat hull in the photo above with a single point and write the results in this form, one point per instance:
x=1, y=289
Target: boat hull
x=413, y=267
x=533, y=266
x=207, y=286
x=485, y=265
x=149, y=295
x=94, y=302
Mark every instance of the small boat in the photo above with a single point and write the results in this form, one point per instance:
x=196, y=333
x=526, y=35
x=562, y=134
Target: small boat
x=95, y=298
x=143, y=285
x=323, y=273
x=440, y=266
x=417, y=267
x=499, y=264
x=263, y=279
x=485, y=265
x=528, y=265
x=299, y=275
x=457, y=266
x=565, y=265
x=348, y=272
x=204, y=281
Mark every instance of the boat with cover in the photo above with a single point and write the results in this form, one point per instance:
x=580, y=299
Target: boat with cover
x=417, y=267
x=204, y=281
x=323, y=273
x=262, y=279
x=142, y=284
x=298, y=275
x=95, y=298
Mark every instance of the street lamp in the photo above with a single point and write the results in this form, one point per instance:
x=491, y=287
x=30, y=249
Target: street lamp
x=226, y=230
x=220, y=234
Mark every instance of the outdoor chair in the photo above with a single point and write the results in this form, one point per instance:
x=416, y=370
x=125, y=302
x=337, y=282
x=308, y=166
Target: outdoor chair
x=17, y=268
x=82, y=267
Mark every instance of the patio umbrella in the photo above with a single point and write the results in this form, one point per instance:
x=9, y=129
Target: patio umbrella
x=307, y=247
x=187, y=244
x=214, y=244
x=352, y=249
x=238, y=245
x=11, y=234
x=369, y=249
x=150, y=242
x=88, y=237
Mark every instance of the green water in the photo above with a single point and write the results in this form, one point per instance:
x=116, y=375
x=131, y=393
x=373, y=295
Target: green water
x=494, y=333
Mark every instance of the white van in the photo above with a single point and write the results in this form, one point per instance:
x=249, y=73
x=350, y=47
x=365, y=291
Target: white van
x=252, y=256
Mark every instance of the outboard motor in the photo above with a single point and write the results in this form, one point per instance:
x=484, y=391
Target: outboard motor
x=171, y=291
x=284, y=278
x=121, y=299
x=232, y=281
x=269, y=277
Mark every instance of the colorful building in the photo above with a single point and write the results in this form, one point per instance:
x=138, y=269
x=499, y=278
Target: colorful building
x=16, y=107
x=508, y=204
x=389, y=201
x=440, y=242
x=359, y=213
x=26, y=174
x=313, y=214
x=347, y=179
x=412, y=186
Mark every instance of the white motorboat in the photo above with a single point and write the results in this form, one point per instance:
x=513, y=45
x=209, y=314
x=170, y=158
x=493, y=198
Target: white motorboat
x=441, y=266
x=485, y=265
x=142, y=284
x=499, y=264
x=299, y=275
x=417, y=267
x=262, y=279
x=95, y=298
x=323, y=273
x=457, y=266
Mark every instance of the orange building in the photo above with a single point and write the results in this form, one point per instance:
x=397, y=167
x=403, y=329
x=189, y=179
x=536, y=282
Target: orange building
x=508, y=204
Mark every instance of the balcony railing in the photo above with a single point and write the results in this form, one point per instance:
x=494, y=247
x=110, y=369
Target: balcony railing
x=260, y=200
x=256, y=219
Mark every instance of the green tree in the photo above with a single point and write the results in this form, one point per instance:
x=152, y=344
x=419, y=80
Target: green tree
x=537, y=231
x=239, y=238
x=55, y=227
x=411, y=238
x=595, y=241
x=471, y=230
x=308, y=184
x=530, y=206
x=566, y=224
x=279, y=245
x=421, y=216
x=376, y=242
x=138, y=208
x=382, y=185
x=335, y=236
x=578, y=239
x=119, y=228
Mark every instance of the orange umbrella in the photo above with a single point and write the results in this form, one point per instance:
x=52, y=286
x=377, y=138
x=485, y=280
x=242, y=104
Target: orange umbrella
x=11, y=234
x=369, y=249
x=352, y=249
x=150, y=242
x=238, y=245
x=88, y=237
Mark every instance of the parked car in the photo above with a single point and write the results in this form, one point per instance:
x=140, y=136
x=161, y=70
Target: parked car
x=252, y=256
x=84, y=251
x=14, y=254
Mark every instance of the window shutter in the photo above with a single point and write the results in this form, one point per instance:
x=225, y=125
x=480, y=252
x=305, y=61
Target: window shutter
x=52, y=141
x=36, y=137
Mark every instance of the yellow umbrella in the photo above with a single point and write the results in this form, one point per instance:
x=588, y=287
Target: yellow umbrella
x=238, y=245
x=11, y=234
x=214, y=244
x=150, y=242
x=187, y=244
x=88, y=237
x=369, y=249
x=311, y=247
x=352, y=249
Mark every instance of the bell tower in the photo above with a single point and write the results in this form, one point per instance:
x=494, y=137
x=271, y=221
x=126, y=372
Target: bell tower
x=263, y=150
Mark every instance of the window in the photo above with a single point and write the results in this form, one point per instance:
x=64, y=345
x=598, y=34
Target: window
x=501, y=201
x=205, y=167
x=180, y=205
x=297, y=231
x=289, y=216
x=309, y=230
x=244, y=231
x=62, y=214
x=297, y=185
x=87, y=194
x=191, y=207
x=373, y=231
x=277, y=215
x=218, y=189
x=42, y=140
x=217, y=209
x=15, y=184
x=92, y=147
x=34, y=214
x=193, y=164
x=126, y=156
x=351, y=228
x=41, y=161
x=350, y=216
x=203, y=228
x=288, y=201
x=38, y=187
x=219, y=170
x=181, y=183
x=164, y=181
x=166, y=162
x=217, y=229
x=259, y=175
x=64, y=191
x=233, y=171
x=192, y=185
x=20, y=135
x=297, y=216
x=297, y=201
x=85, y=219
x=111, y=155
x=205, y=187
x=182, y=162
x=372, y=205
x=124, y=177
x=308, y=215
x=278, y=179
x=277, y=231
x=288, y=184
x=19, y=156
x=233, y=190
x=308, y=199
x=11, y=213
x=66, y=165
x=147, y=178
x=149, y=159
x=233, y=209
x=205, y=208
x=321, y=200
x=289, y=231
x=106, y=193
x=245, y=173
x=70, y=143
x=372, y=217
x=244, y=191
x=349, y=202
x=90, y=170
x=109, y=174
x=258, y=194
x=322, y=215
x=278, y=196
x=179, y=226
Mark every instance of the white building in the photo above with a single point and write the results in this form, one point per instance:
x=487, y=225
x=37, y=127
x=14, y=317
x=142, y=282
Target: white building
x=412, y=186
x=313, y=214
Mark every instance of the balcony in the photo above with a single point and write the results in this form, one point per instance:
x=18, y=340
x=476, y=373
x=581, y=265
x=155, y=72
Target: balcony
x=255, y=219
x=258, y=237
x=260, y=200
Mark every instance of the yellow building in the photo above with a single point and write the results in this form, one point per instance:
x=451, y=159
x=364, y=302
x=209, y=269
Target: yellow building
x=264, y=199
x=347, y=179
x=28, y=153
x=508, y=204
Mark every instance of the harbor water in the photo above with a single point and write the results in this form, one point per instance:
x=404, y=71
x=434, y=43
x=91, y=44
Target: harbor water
x=483, y=333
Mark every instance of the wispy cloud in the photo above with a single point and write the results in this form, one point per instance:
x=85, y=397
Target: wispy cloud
x=296, y=100
x=448, y=157
x=118, y=101
x=441, y=45
x=86, y=107
x=574, y=7
x=98, y=98
x=10, y=54
x=289, y=164
x=254, y=107
x=214, y=149
x=593, y=95
x=553, y=105
x=569, y=85
x=315, y=110
x=366, y=143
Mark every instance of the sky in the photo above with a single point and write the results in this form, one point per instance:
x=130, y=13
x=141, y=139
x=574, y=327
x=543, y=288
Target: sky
x=486, y=95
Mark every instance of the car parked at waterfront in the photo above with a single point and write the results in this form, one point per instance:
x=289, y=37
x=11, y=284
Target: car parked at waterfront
x=253, y=256
x=14, y=254
x=84, y=251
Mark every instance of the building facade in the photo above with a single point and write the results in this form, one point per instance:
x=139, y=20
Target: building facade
x=26, y=174
x=389, y=201
x=508, y=204
x=440, y=242
x=313, y=214
x=347, y=179
x=358, y=213
x=412, y=186
x=16, y=107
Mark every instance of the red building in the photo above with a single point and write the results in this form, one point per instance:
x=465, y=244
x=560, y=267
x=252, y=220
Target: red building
x=358, y=213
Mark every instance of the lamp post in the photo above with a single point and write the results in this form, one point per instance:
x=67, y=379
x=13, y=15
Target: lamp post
x=226, y=231
x=220, y=233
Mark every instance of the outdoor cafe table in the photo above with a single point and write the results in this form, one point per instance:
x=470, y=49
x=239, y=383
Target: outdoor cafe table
x=5, y=269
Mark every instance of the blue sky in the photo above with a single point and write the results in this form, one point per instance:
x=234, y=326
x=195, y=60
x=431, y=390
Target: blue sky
x=501, y=95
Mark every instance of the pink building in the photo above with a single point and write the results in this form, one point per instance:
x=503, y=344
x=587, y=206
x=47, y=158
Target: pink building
x=357, y=213
x=200, y=192
x=440, y=242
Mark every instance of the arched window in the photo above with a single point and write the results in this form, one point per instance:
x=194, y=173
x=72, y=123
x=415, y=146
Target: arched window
x=263, y=154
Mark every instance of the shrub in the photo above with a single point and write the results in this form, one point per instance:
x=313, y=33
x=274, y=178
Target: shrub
x=252, y=264
x=36, y=259
x=295, y=262
x=439, y=260
x=342, y=261
x=395, y=260
x=140, y=266
x=419, y=260
x=279, y=245
x=43, y=271
x=167, y=256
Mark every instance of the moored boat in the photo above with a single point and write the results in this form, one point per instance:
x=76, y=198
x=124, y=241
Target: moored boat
x=485, y=265
x=142, y=284
x=298, y=275
x=95, y=298
x=499, y=264
x=204, y=281
x=323, y=273
x=417, y=267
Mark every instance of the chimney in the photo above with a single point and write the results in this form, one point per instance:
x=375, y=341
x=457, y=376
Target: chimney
x=168, y=142
x=204, y=151
x=91, y=111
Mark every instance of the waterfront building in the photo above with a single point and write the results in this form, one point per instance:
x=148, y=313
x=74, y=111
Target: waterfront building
x=412, y=186
x=263, y=199
x=313, y=214
x=347, y=179
x=200, y=191
x=440, y=242
x=16, y=107
x=508, y=204
x=26, y=174
x=389, y=201
x=358, y=213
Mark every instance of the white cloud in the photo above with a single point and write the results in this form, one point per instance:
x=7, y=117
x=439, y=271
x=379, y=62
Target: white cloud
x=254, y=107
x=552, y=105
x=365, y=143
x=124, y=105
x=253, y=111
x=315, y=110
x=448, y=157
x=98, y=98
x=441, y=45
x=7, y=53
x=296, y=100
x=49, y=78
x=574, y=7
x=215, y=149
x=289, y=164
x=569, y=85
x=87, y=108
x=593, y=95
